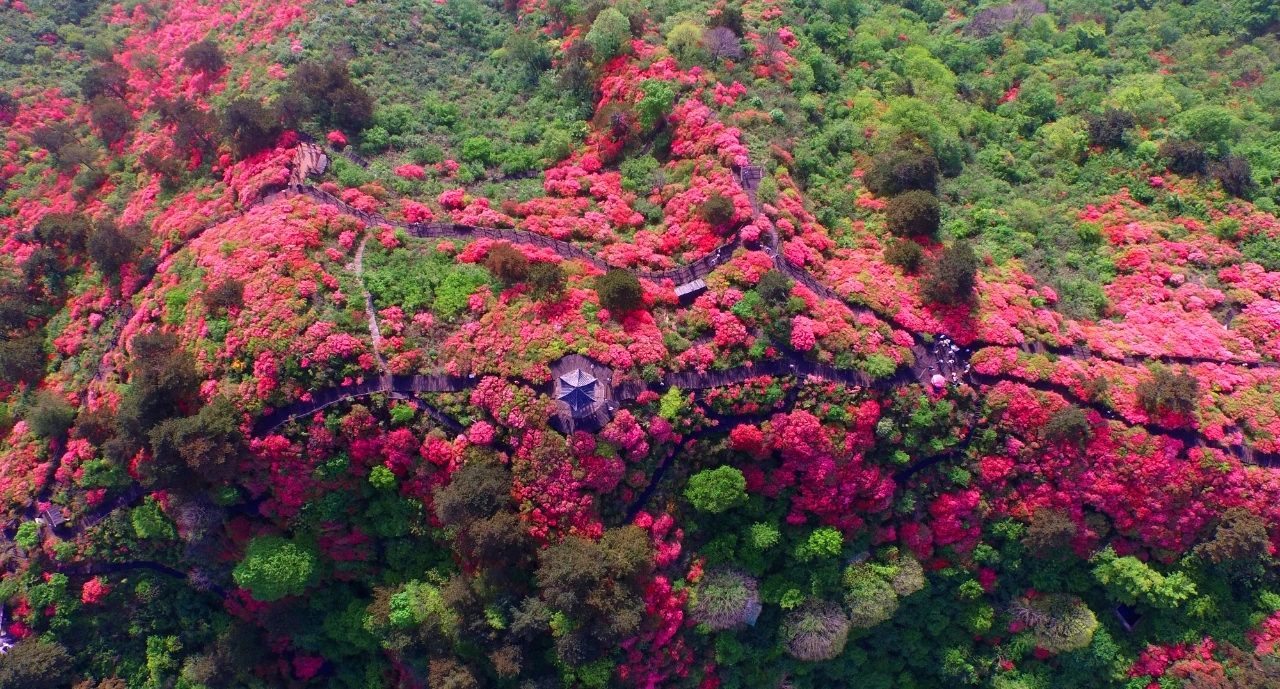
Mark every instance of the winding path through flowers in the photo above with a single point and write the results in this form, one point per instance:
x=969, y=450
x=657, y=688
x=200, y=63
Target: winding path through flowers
x=921, y=371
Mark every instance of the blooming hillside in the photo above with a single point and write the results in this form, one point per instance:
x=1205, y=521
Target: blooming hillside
x=687, y=344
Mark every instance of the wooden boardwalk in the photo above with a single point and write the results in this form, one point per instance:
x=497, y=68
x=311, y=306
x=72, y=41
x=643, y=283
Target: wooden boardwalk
x=926, y=364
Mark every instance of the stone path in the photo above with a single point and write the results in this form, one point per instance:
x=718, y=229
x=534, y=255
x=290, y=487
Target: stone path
x=375, y=333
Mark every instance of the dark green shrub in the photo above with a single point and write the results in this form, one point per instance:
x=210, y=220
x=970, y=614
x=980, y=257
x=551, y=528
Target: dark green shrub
x=730, y=17
x=22, y=359
x=209, y=444
x=194, y=128
x=904, y=254
x=250, y=126
x=1069, y=425
x=1241, y=535
x=427, y=155
x=204, y=56
x=9, y=107
x=108, y=78
x=325, y=91
x=51, y=417
x=111, y=248
x=475, y=491
x=914, y=213
x=1050, y=532
x=1263, y=250
x=1166, y=391
x=34, y=664
x=1184, y=157
x=66, y=232
x=1108, y=129
x=774, y=288
x=112, y=117
x=717, y=210
x=951, y=275
x=225, y=295
x=1236, y=176
x=546, y=281
x=507, y=263
x=902, y=169
x=526, y=51
x=619, y=291
x=54, y=136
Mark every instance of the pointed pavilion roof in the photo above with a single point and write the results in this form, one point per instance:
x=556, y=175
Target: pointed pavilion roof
x=577, y=389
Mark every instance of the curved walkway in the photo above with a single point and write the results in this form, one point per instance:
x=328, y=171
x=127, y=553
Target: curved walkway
x=926, y=362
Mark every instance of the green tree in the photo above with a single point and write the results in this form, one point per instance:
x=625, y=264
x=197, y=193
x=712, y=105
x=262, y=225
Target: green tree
x=656, y=102
x=22, y=359
x=28, y=535
x=1209, y=124
x=684, y=40
x=1240, y=536
x=716, y=490
x=824, y=542
x=609, y=32
x=209, y=443
x=51, y=417
x=150, y=522
x=35, y=664
x=204, y=56
x=250, y=126
x=1166, y=391
x=475, y=491
x=724, y=598
x=274, y=568
x=1132, y=581
x=596, y=587
x=420, y=604
x=619, y=291
x=951, y=276
x=869, y=597
x=108, y=78
x=325, y=91
x=816, y=631
x=914, y=213
x=717, y=210
x=525, y=50
x=1061, y=622
x=507, y=263
x=1050, y=532
x=546, y=281
x=905, y=254
x=774, y=288
x=382, y=478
